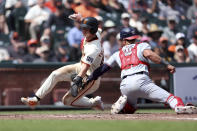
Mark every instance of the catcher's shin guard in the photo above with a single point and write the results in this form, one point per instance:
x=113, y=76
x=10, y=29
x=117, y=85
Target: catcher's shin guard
x=174, y=101
x=179, y=101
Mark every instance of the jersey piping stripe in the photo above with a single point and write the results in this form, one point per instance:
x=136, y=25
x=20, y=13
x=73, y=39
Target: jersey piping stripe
x=82, y=94
x=94, y=38
x=85, y=63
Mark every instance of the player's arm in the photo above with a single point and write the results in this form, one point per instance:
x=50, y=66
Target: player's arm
x=103, y=68
x=77, y=81
x=98, y=72
x=84, y=69
x=76, y=17
x=149, y=54
x=86, y=61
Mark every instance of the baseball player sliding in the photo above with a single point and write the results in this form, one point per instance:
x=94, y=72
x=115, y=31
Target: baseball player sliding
x=92, y=58
x=133, y=58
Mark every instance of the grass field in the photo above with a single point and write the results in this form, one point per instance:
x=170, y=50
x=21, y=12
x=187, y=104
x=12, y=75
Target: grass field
x=26, y=124
x=96, y=125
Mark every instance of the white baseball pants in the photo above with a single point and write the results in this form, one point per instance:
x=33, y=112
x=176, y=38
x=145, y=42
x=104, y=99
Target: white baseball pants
x=141, y=86
x=64, y=74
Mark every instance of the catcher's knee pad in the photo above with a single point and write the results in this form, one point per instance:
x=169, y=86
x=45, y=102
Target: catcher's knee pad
x=128, y=109
x=174, y=101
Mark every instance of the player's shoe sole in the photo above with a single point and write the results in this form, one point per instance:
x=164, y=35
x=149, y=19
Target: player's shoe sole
x=30, y=101
x=186, y=110
x=119, y=105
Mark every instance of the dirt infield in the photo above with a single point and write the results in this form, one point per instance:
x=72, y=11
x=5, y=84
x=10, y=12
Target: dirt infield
x=103, y=116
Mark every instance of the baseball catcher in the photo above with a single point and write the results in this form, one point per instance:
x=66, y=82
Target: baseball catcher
x=133, y=58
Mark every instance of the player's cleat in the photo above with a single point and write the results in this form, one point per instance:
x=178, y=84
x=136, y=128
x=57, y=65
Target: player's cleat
x=30, y=101
x=119, y=105
x=186, y=110
x=97, y=103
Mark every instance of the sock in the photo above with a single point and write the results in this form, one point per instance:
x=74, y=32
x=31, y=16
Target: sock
x=37, y=97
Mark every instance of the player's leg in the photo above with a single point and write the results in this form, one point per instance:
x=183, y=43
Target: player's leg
x=61, y=74
x=118, y=106
x=126, y=104
x=155, y=93
x=81, y=101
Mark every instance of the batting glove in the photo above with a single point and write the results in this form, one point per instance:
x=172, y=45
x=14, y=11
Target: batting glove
x=77, y=83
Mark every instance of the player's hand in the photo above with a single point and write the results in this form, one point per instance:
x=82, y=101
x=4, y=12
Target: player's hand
x=73, y=76
x=171, y=68
x=77, y=83
x=76, y=17
x=86, y=83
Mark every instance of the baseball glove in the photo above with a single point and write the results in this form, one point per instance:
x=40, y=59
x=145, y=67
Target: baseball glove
x=76, y=85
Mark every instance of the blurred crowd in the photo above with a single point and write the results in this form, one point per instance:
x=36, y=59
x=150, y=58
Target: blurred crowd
x=40, y=31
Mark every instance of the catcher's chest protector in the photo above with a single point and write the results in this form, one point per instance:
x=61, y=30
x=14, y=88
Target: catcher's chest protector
x=128, y=57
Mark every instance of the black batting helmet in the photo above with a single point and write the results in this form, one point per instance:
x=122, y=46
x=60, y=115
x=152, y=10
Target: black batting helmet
x=129, y=33
x=90, y=23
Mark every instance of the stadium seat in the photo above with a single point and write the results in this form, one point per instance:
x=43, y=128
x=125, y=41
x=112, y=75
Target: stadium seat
x=154, y=19
x=4, y=40
x=58, y=94
x=12, y=96
x=183, y=25
x=47, y=100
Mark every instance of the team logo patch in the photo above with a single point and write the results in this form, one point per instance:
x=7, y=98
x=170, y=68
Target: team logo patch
x=85, y=21
x=89, y=59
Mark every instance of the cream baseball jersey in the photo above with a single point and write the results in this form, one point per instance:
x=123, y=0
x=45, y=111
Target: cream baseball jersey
x=141, y=67
x=92, y=53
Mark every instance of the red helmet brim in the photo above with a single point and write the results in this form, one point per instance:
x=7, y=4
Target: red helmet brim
x=132, y=37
